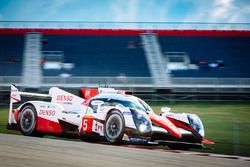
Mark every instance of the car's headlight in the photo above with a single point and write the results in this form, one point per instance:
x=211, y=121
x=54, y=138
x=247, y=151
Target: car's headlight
x=141, y=120
x=196, y=124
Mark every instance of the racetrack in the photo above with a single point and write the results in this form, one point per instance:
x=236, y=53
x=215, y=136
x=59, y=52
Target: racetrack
x=32, y=151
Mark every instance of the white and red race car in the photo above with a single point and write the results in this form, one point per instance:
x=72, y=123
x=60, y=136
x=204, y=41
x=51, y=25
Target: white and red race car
x=114, y=115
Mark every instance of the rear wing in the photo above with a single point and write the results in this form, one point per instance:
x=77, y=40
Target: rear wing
x=15, y=97
x=15, y=94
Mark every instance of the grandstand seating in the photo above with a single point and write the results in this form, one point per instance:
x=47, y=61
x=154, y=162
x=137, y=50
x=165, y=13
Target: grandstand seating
x=100, y=55
x=121, y=53
x=91, y=55
x=11, y=52
x=233, y=51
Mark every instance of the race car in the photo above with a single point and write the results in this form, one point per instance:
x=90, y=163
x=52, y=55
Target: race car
x=105, y=113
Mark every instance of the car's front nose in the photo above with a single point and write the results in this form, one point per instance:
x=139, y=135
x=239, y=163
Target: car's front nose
x=166, y=124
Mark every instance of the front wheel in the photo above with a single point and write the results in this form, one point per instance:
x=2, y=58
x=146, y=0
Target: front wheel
x=114, y=127
x=28, y=120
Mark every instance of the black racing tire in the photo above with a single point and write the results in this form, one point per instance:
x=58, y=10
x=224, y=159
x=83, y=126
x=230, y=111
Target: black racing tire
x=28, y=121
x=114, y=127
x=177, y=146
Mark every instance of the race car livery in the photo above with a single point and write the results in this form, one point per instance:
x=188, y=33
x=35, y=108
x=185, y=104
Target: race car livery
x=103, y=113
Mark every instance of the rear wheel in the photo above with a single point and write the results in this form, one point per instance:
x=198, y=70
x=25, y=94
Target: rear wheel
x=114, y=127
x=28, y=121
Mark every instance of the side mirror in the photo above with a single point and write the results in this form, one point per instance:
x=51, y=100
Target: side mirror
x=165, y=110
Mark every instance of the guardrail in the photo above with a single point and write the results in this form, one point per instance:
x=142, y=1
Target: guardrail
x=125, y=25
x=10, y=79
x=93, y=81
x=218, y=82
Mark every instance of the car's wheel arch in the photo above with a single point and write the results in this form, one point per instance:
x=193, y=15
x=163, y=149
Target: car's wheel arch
x=111, y=110
x=23, y=106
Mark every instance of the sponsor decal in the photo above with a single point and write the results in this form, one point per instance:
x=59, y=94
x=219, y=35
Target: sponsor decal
x=87, y=93
x=15, y=95
x=139, y=139
x=47, y=112
x=51, y=106
x=64, y=98
x=87, y=123
x=47, y=106
x=98, y=127
x=127, y=113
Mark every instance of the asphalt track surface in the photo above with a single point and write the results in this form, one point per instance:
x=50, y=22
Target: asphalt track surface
x=25, y=151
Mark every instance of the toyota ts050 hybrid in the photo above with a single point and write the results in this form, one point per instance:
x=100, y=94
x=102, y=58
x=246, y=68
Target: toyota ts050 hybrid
x=114, y=115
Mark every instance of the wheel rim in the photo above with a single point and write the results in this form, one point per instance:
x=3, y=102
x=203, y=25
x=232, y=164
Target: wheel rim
x=113, y=126
x=27, y=120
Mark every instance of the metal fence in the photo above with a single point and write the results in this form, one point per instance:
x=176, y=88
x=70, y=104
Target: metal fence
x=132, y=82
x=182, y=89
x=211, y=82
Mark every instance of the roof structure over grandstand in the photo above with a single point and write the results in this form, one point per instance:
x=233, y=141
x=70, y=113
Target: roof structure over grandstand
x=129, y=32
x=125, y=25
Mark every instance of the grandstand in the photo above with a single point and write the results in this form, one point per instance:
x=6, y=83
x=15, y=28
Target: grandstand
x=233, y=51
x=99, y=55
x=11, y=54
x=135, y=59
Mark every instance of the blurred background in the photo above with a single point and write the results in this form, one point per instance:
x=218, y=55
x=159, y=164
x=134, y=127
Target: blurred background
x=191, y=56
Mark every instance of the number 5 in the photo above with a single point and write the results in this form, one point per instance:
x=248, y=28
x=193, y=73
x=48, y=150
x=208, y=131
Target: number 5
x=85, y=124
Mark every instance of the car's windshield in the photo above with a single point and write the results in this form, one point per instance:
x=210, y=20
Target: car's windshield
x=145, y=105
x=138, y=104
x=127, y=101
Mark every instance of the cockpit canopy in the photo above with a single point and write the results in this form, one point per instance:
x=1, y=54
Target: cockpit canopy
x=129, y=101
